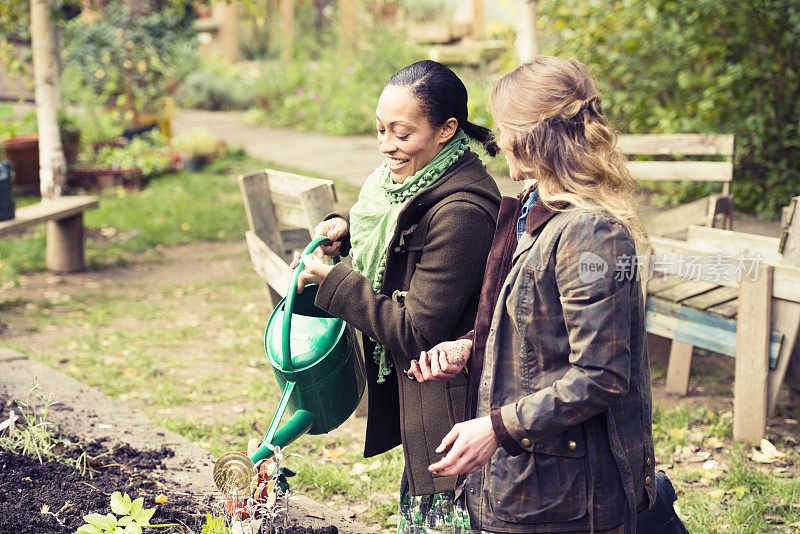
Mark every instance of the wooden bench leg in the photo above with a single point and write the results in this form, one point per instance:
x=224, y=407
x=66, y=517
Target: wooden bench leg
x=793, y=378
x=753, y=327
x=273, y=297
x=65, y=244
x=680, y=363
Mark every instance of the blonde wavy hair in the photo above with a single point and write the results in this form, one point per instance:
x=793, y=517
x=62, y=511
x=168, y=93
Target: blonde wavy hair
x=550, y=118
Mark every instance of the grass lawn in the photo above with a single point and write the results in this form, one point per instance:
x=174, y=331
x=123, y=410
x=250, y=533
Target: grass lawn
x=169, y=320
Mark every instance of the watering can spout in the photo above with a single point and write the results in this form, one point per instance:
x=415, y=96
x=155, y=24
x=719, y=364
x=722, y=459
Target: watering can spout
x=296, y=426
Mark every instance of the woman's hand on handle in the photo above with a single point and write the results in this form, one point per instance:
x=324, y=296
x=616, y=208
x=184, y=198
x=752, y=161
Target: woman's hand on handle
x=334, y=229
x=441, y=363
x=314, y=271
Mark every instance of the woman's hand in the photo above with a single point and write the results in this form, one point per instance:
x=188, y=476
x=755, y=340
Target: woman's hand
x=334, y=229
x=471, y=443
x=441, y=363
x=314, y=271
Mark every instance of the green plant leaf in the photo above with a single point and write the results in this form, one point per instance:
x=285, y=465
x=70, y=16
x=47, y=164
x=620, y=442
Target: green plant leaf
x=109, y=522
x=120, y=504
x=96, y=520
x=133, y=528
x=88, y=529
x=136, y=506
x=124, y=521
x=143, y=516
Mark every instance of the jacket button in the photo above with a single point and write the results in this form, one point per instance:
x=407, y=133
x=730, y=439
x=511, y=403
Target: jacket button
x=472, y=490
x=649, y=461
x=525, y=442
x=572, y=445
x=648, y=480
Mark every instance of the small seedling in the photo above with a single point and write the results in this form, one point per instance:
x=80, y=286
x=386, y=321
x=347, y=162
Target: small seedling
x=133, y=517
x=29, y=432
x=215, y=524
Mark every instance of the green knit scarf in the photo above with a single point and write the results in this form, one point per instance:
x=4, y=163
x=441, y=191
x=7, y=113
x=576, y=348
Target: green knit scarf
x=374, y=217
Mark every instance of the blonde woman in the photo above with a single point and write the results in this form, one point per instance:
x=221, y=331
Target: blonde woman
x=558, y=438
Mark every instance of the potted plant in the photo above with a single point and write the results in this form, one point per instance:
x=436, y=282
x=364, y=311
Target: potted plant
x=21, y=144
x=198, y=148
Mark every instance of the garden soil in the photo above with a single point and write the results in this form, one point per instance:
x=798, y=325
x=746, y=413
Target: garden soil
x=145, y=461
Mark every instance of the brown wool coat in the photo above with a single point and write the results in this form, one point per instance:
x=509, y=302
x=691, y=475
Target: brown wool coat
x=429, y=294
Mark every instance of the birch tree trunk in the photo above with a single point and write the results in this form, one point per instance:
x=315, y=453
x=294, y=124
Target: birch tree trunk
x=527, y=43
x=52, y=165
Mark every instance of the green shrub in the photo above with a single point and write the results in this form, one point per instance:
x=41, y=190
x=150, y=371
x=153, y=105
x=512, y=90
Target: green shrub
x=328, y=88
x=148, y=152
x=130, y=62
x=217, y=86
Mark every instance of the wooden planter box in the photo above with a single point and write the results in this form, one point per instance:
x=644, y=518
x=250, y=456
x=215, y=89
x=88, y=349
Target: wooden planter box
x=92, y=179
x=23, y=154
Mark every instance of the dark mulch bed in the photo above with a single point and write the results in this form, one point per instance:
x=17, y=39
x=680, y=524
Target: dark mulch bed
x=27, y=486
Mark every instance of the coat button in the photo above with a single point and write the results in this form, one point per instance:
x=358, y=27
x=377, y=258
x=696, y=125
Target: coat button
x=472, y=490
x=649, y=461
x=572, y=445
x=525, y=442
x=648, y=480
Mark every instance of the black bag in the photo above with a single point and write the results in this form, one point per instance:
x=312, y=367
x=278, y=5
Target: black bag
x=661, y=518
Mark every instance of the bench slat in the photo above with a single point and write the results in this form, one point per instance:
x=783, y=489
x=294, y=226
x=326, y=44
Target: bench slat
x=686, y=290
x=706, y=238
x=676, y=220
x=700, y=329
x=727, y=309
x=670, y=254
x=52, y=210
x=694, y=171
x=712, y=298
x=677, y=144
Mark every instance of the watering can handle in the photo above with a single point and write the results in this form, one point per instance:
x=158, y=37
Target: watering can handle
x=288, y=305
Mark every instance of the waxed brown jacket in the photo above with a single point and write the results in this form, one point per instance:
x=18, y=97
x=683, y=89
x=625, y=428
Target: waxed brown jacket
x=429, y=294
x=564, y=377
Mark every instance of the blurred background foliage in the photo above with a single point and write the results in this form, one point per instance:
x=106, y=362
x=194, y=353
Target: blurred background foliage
x=707, y=66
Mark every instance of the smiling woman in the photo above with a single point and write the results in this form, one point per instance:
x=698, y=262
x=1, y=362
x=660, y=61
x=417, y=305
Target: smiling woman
x=419, y=236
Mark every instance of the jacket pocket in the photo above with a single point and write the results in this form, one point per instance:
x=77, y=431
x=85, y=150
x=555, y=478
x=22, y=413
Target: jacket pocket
x=543, y=486
x=457, y=398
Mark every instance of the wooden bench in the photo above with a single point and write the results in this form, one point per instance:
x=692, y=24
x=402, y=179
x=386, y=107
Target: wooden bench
x=714, y=210
x=64, y=218
x=282, y=211
x=734, y=294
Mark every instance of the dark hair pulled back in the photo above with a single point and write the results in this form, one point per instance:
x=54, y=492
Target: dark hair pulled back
x=442, y=95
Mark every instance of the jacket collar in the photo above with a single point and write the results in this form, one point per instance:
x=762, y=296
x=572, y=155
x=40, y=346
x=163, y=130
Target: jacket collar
x=539, y=213
x=537, y=217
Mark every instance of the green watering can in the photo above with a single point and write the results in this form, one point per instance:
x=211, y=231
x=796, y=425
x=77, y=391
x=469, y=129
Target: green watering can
x=314, y=358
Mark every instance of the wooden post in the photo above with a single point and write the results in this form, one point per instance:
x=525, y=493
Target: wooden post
x=787, y=314
x=64, y=248
x=286, y=8
x=478, y=19
x=527, y=43
x=753, y=327
x=347, y=22
x=262, y=220
x=680, y=363
x=226, y=14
